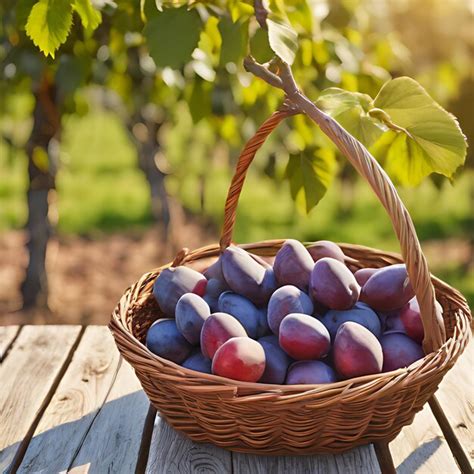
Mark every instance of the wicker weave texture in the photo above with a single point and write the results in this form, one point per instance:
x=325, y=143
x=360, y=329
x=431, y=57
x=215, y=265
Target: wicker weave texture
x=282, y=419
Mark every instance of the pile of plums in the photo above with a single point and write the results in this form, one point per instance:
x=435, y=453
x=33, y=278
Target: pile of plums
x=305, y=320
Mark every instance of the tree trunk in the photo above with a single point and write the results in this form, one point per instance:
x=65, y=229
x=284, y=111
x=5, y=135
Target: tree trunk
x=144, y=134
x=42, y=165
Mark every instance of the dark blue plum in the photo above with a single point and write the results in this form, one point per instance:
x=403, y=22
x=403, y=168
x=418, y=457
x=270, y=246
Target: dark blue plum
x=191, y=312
x=164, y=340
x=399, y=351
x=242, y=309
x=325, y=248
x=360, y=313
x=388, y=289
x=287, y=299
x=198, y=362
x=333, y=285
x=243, y=274
x=310, y=372
x=293, y=265
x=174, y=282
x=276, y=363
x=214, y=289
x=262, y=325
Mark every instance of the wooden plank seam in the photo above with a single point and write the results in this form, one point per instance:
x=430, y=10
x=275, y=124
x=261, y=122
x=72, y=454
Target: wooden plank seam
x=20, y=453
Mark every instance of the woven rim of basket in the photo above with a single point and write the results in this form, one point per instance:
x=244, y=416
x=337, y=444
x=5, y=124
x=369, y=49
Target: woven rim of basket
x=370, y=386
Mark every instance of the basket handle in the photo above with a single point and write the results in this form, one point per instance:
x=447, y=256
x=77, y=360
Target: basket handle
x=368, y=167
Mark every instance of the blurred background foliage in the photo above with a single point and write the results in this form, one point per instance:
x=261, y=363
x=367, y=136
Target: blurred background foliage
x=153, y=107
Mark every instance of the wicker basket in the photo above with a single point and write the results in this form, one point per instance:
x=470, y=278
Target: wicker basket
x=299, y=419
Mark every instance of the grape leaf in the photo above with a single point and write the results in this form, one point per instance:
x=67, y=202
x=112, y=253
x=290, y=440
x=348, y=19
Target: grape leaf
x=49, y=23
x=234, y=40
x=90, y=17
x=282, y=38
x=310, y=174
x=259, y=46
x=172, y=36
x=199, y=101
x=351, y=109
x=427, y=138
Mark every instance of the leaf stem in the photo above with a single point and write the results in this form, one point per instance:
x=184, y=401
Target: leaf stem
x=381, y=115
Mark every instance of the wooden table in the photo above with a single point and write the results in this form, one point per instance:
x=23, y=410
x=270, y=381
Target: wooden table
x=69, y=403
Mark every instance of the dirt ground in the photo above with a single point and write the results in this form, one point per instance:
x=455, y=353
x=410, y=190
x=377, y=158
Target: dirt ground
x=88, y=276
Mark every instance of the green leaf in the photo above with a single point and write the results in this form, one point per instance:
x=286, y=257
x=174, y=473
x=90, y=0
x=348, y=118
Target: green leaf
x=432, y=141
x=172, y=36
x=49, y=23
x=239, y=10
x=260, y=47
x=310, y=174
x=199, y=101
x=90, y=17
x=282, y=38
x=149, y=9
x=234, y=40
x=351, y=109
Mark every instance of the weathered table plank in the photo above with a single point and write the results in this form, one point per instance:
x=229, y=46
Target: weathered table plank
x=28, y=376
x=113, y=441
x=7, y=336
x=361, y=460
x=422, y=448
x=456, y=397
x=173, y=453
x=70, y=414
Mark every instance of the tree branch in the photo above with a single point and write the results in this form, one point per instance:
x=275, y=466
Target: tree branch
x=261, y=13
x=259, y=70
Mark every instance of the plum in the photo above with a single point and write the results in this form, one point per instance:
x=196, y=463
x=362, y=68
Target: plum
x=271, y=338
x=411, y=319
x=309, y=372
x=261, y=261
x=164, y=340
x=287, y=299
x=243, y=274
x=276, y=362
x=363, y=274
x=391, y=321
x=191, y=312
x=218, y=328
x=303, y=337
x=333, y=284
x=214, y=289
x=239, y=358
x=242, y=309
x=388, y=289
x=399, y=351
x=293, y=265
x=356, y=351
x=360, y=313
x=174, y=282
x=325, y=248
x=198, y=362
x=262, y=323
x=267, y=287
x=214, y=271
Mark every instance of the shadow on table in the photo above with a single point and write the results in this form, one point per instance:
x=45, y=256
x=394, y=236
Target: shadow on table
x=109, y=440
x=417, y=458
x=105, y=440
